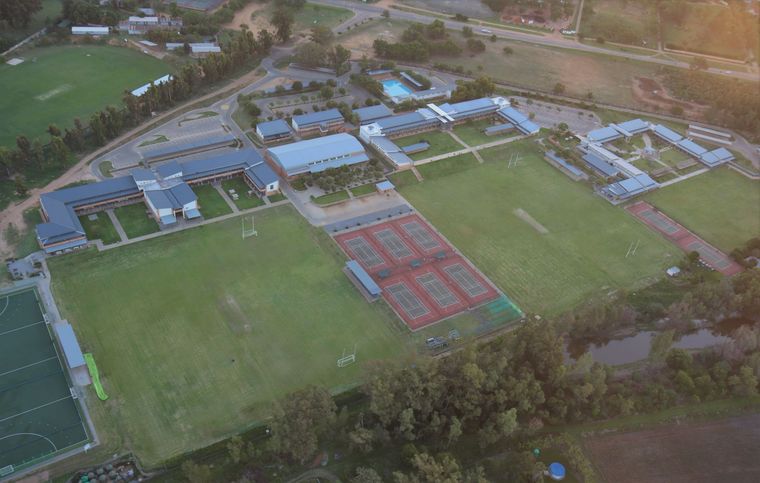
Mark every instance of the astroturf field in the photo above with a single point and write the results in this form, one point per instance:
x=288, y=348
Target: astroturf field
x=721, y=206
x=197, y=332
x=545, y=240
x=56, y=84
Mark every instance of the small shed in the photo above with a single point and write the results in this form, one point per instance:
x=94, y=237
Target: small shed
x=69, y=344
x=673, y=271
x=384, y=186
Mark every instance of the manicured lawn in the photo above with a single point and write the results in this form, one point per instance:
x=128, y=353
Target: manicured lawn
x=135, y=220
x=277, y=197
x=440, y=143
x=196, y=333
x=331, y=198
x=403, y=178
x=210, y=202
x=673, y=156
x=364, y=189
x=472, y=133
x=244, y=201
x=100, y=229
x=583, y=252
x=57, y=84
x=448, y=166
x=721, y=206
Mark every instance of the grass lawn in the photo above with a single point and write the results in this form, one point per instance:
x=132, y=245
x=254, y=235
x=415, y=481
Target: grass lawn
x=312, y=15
x=57, y=84
x=102, y=228
x=445, y=167
x=673, y=156
x=583, y=252
x=135, y=221
x=244, y=201
x=440, y=143
x=364, y=189
x=403, y=178
x=194, y=348
x=720, y=206
x=277, y=197
x=27, y=242
x=331, y=198
x=472, y=133
x=210, y=202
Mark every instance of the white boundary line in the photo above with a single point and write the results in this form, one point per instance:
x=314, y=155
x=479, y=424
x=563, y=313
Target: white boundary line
x=7, y=303
x=34, y=409
x=31, y=434
x=22, y=327
x=28, y=365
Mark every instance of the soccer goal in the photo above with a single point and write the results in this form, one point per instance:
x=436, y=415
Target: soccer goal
x=6, y=470
x=248, y=231
x=347, y=359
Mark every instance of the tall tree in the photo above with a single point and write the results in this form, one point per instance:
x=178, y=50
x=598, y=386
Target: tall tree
x=18, y=13
x=304, y=417
x=283, y=20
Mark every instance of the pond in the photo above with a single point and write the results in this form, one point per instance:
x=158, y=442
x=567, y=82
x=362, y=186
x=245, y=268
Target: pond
x=636, y=347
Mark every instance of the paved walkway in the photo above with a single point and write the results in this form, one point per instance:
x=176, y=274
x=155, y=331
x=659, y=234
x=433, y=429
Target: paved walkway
x=473, y=150
x=226, y=197
x=684, y=177
x=157, y=234
x=117, y=224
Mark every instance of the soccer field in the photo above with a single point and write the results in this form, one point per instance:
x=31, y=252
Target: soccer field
x=545, y=240
x=54, y=85
x=721, y=206
x=196, y=333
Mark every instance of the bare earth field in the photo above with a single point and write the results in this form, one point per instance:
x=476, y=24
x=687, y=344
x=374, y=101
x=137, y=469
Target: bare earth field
x=699, y=452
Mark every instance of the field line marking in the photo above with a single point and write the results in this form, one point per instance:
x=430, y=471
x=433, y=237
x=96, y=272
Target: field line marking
x=21, y=328
x=34, y=409
x=28, y=365
x=7, y=303
x=31, y=434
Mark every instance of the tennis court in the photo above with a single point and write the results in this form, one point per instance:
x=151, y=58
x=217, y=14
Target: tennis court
x=39, y=416
x=683, y=238
x=393, y=244
x=422, y=277
x=422, y=237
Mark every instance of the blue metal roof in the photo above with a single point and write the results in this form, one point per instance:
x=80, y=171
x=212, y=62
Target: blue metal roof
x=169, y=169
x=310, y=119
x=369, y=285
x=142, y=174
x=600, y=165
x=667, y=134
x=161, y=200
x=303, y=156
x=416, y=147
x=240, y=159
x=384, y=185
x=261, y=175
x=278, y=127
x=372, y=113
x=603, y=135
x=169, y=148
x=631, y=186
x=691, y=147
x=411, y=80
x=505, y=126
x=520, y=120
x=634, y=126
x=716, y=157
x=408, y=121
x=469, y=108
x=337, y=163
x=528, y=127
x=575, y=171
x=70, y=345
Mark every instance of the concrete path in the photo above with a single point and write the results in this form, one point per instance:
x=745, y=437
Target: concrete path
x=157, y=234
x=458, y=139
x=684, y=177
x=117, y=224
x=473, y=150
x=226, y=197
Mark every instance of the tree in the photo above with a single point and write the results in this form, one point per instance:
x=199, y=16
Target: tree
x=235, y=449
x=303, y=418
x=53, y=130
x=339, y=57
x=660, y=345
x=326, y=92
x=455, y=431
x=366, y=475
x=265, y=41
x=322, y=35
x=508, y=50
x=386, y=13
x=311, y=54
x=196, y=473
x=476, y=46
x=18, y=13
x=59, y=152
x=559, y=88
x=467, y=31
x=296, y=86
x=429, y=469
x=20, y=187
x=283, y=20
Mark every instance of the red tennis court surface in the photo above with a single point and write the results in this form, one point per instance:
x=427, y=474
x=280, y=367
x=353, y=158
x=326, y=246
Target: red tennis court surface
x=420, y=274
x=683, y=238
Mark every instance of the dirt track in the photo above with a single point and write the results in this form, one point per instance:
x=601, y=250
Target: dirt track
x=698, y=452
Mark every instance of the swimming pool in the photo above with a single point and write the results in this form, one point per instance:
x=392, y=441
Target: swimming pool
x=395, y=88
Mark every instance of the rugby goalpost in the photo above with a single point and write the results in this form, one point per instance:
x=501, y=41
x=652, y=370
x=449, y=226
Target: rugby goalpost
x=632, y=248
x=347, y=359
x=248, y=232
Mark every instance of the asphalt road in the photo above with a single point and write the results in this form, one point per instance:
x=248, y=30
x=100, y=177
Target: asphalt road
x=549, y=41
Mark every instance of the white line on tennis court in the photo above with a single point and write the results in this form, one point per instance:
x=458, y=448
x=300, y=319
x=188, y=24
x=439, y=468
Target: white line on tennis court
x=34, y=409
x=21, y=328
x=28, y=365
x=31, y=434
x=7, y=302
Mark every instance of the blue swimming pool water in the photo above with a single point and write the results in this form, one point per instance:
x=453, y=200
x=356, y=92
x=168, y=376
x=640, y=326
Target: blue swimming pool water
x=395, y=88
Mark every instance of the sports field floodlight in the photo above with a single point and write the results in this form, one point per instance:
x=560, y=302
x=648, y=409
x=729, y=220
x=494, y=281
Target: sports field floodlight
x=248, y=232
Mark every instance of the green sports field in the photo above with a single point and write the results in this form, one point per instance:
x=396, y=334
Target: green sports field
x=496, y=215
x=721, y=206
x=196, y=333
x=56, y=84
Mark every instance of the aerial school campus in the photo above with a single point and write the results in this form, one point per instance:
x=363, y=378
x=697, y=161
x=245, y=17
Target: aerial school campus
x=213, y=268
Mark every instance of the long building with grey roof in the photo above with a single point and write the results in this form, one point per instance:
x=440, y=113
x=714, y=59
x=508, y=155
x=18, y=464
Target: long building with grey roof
x=320, y=122
x=316, y=155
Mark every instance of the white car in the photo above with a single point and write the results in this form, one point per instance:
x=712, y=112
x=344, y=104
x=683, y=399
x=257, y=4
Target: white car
x=485, y=31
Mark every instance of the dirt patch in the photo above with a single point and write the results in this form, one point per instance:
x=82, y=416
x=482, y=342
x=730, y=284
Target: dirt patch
x=653, y=93
x=244, y=17
x=235, y=318
x=698, y=452
x=525, y=216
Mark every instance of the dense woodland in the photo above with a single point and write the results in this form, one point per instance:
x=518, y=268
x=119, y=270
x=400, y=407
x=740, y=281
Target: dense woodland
x=439, y=418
